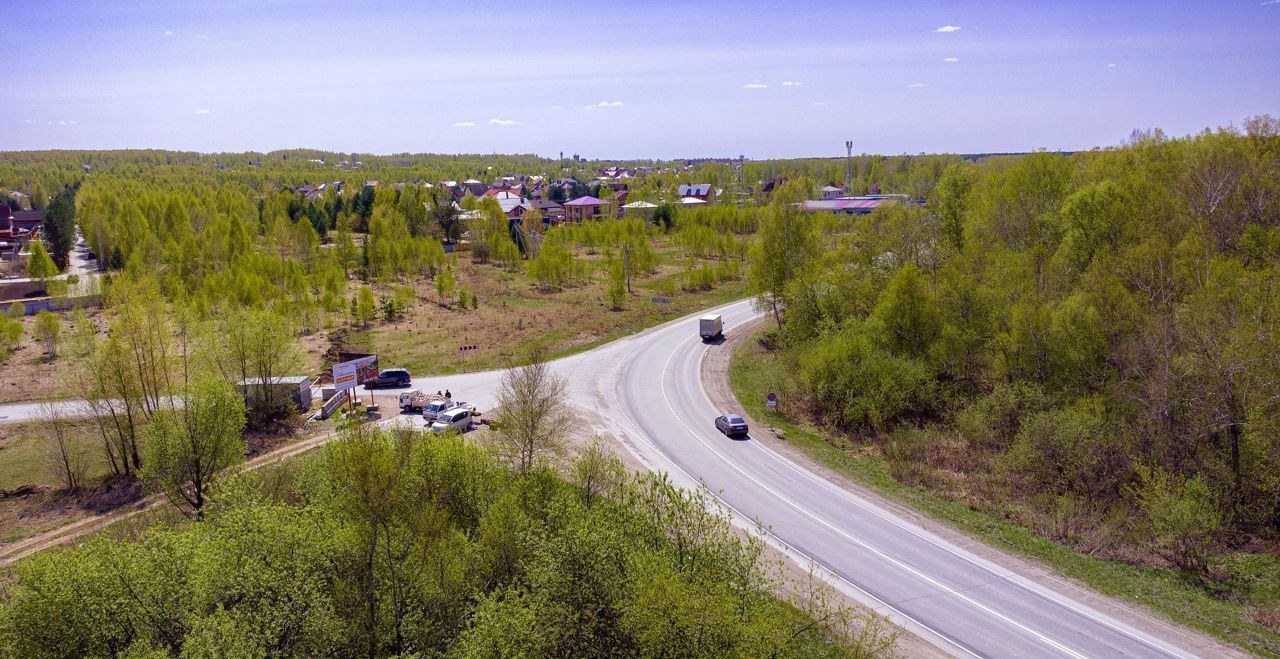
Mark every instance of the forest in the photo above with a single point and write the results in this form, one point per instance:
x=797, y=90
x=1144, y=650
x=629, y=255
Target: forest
x=396, y=544
x=1087, y=344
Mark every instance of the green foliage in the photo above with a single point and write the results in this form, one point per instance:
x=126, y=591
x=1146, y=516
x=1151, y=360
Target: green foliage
x=10, y=332
x=445, y=285
x=1182, y=515
x=363, y=306
x=188, y=448
x=39, y=265
x=1069, y=451
x=859, y=384
x=389, y=545
x=48, y=330
x=617, y=288
x=907, y=314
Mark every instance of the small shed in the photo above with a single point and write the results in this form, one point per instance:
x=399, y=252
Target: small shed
x=296, y=388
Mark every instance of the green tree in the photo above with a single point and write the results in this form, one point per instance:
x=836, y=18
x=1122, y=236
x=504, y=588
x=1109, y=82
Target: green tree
x=617, y=287
x=785, y=242
x=950, y=201
x=445, y=285
x=39, y=265
x=189, y=448
x=48, y=329
x=908, y=314
x=364, y=306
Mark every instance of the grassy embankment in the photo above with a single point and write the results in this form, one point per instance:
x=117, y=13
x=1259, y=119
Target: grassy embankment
x=1179, y=597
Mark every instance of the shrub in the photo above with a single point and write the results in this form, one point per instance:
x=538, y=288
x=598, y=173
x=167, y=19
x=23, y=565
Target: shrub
x=1180, y=514
x=1069, y=450
x=861, y=385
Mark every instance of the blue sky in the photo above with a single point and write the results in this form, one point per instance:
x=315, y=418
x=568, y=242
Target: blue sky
x=630, y=80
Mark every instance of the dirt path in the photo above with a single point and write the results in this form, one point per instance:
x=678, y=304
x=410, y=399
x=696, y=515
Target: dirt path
x=715, y=379
x=16, y=551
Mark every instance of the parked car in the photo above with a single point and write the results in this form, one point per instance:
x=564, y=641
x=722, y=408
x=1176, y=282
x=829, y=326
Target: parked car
x=459, y=419
x=433, y=409
x=731, y=424
x=392, y=377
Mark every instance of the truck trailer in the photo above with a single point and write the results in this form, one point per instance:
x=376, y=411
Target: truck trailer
x=710, y=327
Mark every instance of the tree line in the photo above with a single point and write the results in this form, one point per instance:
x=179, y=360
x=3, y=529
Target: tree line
x=1094, y=333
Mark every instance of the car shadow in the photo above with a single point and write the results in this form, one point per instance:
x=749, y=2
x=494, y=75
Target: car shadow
x=719, y=340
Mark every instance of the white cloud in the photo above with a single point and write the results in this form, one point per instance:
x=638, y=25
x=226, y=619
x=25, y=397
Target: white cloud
x=203, y=111
x=168, y=33
x=503, y=122
x=951, y=60
x=1264, y=3
x=916, y=85
x=754, y=85
x=1113, y=64
x=791, y=83
x=557, y=107
x=28, y=121
x=71, y=121
x=463, y=124
x=62, y=123
x=819, y=103
x=204, y=37
x=948, y=28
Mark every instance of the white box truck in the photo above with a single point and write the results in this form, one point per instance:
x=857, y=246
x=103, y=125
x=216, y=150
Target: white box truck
x=710, y=327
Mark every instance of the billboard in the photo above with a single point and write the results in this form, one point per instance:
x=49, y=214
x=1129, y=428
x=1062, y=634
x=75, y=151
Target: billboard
x=353, y=373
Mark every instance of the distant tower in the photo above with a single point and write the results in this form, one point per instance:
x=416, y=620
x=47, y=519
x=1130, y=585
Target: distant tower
x=848, y=173
x=742, y=169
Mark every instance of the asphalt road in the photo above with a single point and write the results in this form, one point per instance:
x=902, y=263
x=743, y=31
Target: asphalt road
x=647, y=389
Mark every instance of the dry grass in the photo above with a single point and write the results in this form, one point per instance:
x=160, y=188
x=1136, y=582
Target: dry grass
x=514, y=318
x=28, y=375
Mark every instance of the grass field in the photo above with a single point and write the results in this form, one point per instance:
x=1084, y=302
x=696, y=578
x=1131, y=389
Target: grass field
x=1175, y=595
x=513, y=318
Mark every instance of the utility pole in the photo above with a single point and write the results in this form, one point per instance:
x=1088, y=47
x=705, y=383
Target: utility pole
x=848, y=176
x=626, y=261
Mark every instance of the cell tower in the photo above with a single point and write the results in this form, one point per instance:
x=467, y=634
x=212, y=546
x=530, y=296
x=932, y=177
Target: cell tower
x=848, y=172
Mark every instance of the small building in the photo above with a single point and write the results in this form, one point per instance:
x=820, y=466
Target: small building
x=296, y=388
x=582, y=208
x=862, y=205
x=702, y=191
x=832, y=191
x=551, y=211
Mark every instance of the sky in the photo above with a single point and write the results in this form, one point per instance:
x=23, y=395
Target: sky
x=629, y=80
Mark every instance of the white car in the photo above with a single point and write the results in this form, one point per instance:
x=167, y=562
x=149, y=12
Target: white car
x=459, y=419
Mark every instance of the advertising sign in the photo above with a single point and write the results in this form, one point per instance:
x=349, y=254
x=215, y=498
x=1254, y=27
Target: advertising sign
x=351, y=374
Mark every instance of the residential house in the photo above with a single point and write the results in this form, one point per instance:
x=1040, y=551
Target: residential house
x=552, y=212
x=832, y=191
x=702, y=191
x=582, y=208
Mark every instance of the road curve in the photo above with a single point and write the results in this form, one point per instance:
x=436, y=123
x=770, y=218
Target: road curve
x=647, y=389
x=650, y=387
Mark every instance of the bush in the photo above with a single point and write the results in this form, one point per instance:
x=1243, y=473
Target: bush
x=860, y=385
x=1070, y=450
x=1180, y=513
x=995, y=419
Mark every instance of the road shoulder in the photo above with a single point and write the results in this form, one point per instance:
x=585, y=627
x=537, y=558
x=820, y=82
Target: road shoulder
x=715, y=381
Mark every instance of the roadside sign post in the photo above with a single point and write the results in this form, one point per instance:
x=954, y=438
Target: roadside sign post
x=773, y=400
x=463, y=350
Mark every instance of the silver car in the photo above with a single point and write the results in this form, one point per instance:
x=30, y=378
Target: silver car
x=456, y=419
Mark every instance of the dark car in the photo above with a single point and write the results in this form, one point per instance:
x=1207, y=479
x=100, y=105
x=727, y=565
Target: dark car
x=392, y=377
x=731, y=424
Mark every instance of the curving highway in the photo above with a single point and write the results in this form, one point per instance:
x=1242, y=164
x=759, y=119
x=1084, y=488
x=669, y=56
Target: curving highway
x=647, y=389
